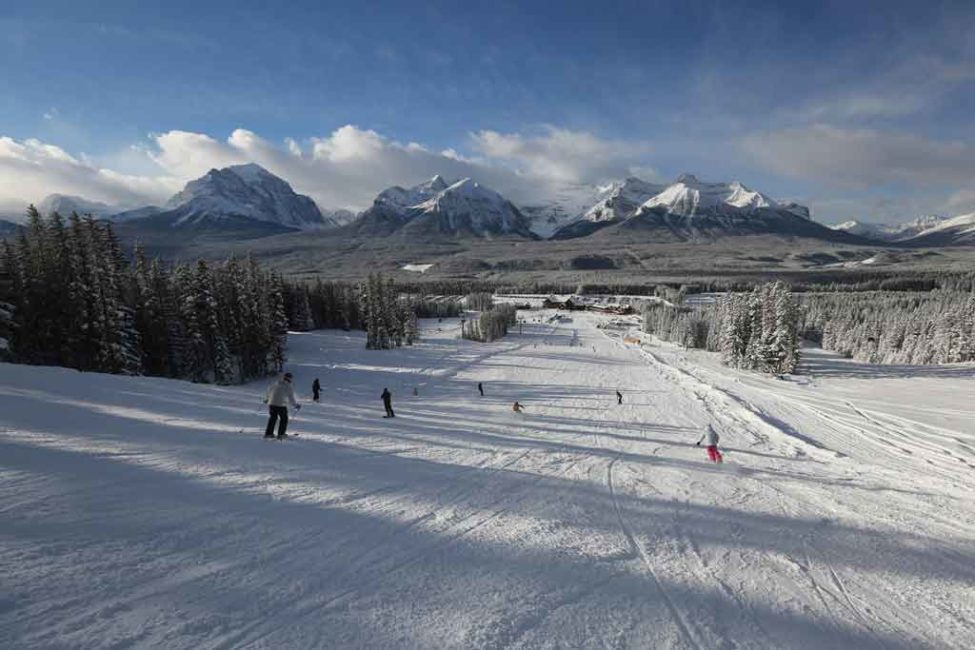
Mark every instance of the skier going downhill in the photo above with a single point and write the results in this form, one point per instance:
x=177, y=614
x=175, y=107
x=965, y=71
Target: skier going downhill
x=279, y=395
x=712, y=439
x=480, y=389
x=619, y=397
x=316, y=390
x=388, y=403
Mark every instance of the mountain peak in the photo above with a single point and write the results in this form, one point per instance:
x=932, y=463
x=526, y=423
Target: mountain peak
x=464, y=208
x=687, y=179
x=247, y=191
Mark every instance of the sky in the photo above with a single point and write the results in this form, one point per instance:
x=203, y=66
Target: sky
x=858, y=109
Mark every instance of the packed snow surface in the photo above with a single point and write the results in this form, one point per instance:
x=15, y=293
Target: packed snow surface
x=148, y=512
x=417, y=268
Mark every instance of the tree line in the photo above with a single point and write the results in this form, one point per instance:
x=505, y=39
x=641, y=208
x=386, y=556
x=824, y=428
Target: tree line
x=758, y=330
x=77, y=301
x=893, y=328
x=491, y=324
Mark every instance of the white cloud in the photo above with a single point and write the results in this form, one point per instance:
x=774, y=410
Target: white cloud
x=863, y=157
x=960, y=202
x=344, y=169
x=31, y=169
x=561, y=155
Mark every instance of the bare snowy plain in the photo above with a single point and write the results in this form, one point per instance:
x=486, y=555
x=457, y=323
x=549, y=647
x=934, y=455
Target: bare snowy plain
x=148, y=512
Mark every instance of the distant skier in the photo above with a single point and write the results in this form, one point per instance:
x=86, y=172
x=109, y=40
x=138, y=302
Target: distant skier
x=619, y=397
x=480, y=389
x=517, y=408
x=388, y=403
x=279, y=395
x=316, y=390
x=712, y=439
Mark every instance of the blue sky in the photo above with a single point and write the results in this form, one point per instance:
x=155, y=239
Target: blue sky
x=860, y=109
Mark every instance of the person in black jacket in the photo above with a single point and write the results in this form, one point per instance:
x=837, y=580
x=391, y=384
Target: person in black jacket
x=388, y=403
x=480, y=389
x=316, y=390
x=619, y=397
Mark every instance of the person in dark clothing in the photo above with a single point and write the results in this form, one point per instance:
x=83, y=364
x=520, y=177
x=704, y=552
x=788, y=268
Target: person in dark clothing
x=316, y=390
x=619, y=397
x=388, y=403
x=480, y=389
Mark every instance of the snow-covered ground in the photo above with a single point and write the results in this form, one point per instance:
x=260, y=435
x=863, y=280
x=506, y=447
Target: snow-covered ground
x=147, y=512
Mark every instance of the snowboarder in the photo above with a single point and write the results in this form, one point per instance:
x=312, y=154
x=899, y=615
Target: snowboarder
x=279, y=395
x=712, y=439
x=388, y=403
x=619, y=397
x=480, y=389
x=316, y=390
x=517, y=408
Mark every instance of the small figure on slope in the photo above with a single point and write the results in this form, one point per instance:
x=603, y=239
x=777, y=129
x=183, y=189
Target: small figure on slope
x=480, y=389
x=517, y=408
x=388, y=403
x=279, y=395
x=619, y=397
x=712, y=439
x=316, y=390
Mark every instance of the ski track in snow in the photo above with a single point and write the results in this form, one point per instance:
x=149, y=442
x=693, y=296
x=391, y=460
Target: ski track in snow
x=148, y=512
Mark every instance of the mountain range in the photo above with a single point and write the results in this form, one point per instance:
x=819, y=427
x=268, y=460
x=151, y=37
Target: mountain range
x=889, y=232
x=248, y=201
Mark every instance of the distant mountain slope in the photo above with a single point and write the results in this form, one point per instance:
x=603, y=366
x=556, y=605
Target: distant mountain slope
x=690, y=209
x=65, y=204
x=243, y=191
x=889, y=232
x=435, y=208
x=958, y=231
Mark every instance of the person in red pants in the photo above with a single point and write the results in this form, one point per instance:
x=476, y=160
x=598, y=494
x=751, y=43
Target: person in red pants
x=712, y=438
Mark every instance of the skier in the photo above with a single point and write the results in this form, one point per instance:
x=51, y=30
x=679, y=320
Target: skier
x=279, y=395
x=480, y=389
x=712, y=438
x=619, y=397
x=517, y=408
x=316, y=389
x=388, y=403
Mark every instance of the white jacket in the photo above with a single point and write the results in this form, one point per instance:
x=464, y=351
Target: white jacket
x=281, y=393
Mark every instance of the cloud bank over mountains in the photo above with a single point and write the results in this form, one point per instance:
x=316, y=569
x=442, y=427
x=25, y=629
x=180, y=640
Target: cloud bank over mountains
x=348, y=167
x=345, y=169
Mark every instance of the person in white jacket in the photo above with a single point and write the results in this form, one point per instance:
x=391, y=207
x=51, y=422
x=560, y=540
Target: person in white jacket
x=279, y=395
x=712, y=439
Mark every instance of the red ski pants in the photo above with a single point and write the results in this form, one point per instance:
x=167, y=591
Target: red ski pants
x=713, y=454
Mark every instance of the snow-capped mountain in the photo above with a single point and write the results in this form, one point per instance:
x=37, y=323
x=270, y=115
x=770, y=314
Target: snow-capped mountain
x=65, y=204
x=689, y=208
x=243, y=191
x=622, y=200
x=436, y=207
x=888, y=232
x=958, y=231
x=339, y=217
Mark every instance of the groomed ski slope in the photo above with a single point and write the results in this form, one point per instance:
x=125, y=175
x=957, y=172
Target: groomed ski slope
x=150, y=513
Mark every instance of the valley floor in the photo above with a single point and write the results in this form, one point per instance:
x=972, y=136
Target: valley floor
x=149, y=512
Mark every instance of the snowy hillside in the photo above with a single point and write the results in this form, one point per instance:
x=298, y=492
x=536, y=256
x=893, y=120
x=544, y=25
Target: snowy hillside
x=888, y=232
x=436, y=207
x=690, y=209
x=244, y=191
x=65, y=204
x=149, y=512
x=690, y=197
x=959, y=230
